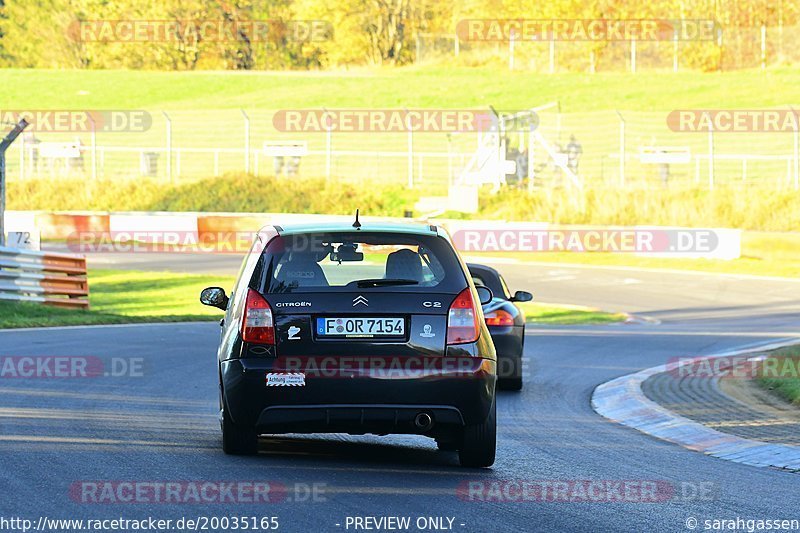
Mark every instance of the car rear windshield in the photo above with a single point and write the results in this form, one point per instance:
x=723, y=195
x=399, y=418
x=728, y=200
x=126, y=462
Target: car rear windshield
x=360, y=261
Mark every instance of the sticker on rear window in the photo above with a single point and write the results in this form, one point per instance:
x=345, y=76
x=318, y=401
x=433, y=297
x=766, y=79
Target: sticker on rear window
x=294, y=379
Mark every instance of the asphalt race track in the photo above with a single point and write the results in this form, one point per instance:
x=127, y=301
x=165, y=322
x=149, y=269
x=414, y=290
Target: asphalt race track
x=159, y=424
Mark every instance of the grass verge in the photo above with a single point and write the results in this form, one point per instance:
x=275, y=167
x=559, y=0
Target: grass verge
x=129, y=296
x=414, y=86
x=120, y=297
x=239, y=192
x=787, y=386
x=544, y=313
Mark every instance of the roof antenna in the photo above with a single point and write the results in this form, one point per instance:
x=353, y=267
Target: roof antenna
x=357, y=224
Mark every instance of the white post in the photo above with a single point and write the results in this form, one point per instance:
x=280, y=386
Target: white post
x=456, y=45
x=531, y=159
x=633, y=55
x=449, y=163
x=552, y=56
x=675, y=51
x=169, y=146
x=246, y=143
x=22, y=157
x=94, y=149
x=710, y=156
x=763, y=47
x=622, y=153
x=328, y=153
x=796, y=154
x=410, y=153
x=511, y=51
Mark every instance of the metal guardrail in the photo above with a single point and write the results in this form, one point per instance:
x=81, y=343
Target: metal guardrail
x=44, y=277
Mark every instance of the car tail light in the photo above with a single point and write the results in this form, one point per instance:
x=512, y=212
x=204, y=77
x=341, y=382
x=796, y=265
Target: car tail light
x=462, y=319
x=257, y=323
x=499, y=318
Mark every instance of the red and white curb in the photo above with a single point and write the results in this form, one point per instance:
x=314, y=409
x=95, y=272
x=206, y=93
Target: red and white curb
x=622, y=400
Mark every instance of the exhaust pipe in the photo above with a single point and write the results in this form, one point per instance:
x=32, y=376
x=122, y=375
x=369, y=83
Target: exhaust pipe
x=423, y=421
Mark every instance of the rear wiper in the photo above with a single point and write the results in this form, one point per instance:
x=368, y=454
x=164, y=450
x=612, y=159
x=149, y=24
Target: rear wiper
x=383, y=282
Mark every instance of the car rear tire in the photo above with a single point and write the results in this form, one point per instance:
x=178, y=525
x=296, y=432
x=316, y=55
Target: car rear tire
x=480, y=442
x=237, y=440
x=514, y=380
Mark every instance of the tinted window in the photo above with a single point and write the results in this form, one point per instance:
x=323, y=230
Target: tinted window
x=361, y=261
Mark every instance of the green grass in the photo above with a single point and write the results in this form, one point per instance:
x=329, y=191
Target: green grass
x=236, y=192
x=128, y=296
x=787, y=388
x=448, y=87
x=119, y=297
x=554, y=314
x=775, y=253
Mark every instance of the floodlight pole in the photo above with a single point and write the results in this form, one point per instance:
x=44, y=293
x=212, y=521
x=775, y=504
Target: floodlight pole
x=4, y=144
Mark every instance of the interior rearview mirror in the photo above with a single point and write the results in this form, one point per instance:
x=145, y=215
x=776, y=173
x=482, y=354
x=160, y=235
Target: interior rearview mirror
x=484, y=294
x=347, y=252
x=522, y=296
x=214, y=297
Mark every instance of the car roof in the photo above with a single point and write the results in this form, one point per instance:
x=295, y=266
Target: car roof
x=347, y=226
x=476, y=267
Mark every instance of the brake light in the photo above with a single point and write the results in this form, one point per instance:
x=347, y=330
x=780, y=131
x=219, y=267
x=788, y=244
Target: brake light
x=499, y=318
x=462, y=319
x=257, y=323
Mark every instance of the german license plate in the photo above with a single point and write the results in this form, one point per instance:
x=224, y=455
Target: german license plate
x=360, y=327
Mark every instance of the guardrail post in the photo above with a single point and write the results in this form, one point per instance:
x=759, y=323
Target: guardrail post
x=4, y=144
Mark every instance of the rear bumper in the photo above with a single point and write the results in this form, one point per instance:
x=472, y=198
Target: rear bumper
x=357, y=403
x=508, y=340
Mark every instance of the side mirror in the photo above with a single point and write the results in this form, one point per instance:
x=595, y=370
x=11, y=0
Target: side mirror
x=214, y=297
x=484, y=294
x=522, y=296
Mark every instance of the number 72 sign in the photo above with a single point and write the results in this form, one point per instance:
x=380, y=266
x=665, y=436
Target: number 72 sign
x=25, y=240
